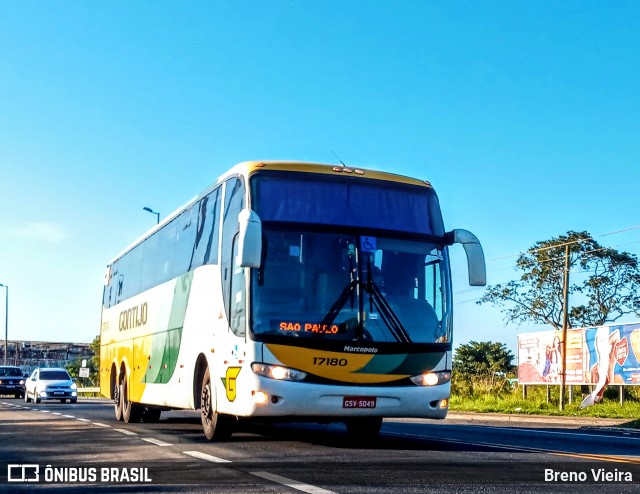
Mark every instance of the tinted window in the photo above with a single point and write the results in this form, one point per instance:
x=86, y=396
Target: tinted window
x=206, y=238
x=352, y=202
x=233, y=204
x=54, y=375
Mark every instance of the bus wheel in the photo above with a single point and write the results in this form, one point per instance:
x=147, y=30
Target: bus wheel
x=363, y=429
x=131, y=411
x=214, y=425
x=117, y=400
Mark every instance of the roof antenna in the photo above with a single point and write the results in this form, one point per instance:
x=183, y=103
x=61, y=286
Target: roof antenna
x=341, y=162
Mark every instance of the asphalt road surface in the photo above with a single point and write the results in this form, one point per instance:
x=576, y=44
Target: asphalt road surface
x=81, y=448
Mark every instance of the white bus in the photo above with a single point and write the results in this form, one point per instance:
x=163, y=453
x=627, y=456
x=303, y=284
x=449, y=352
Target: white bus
x=287, y=292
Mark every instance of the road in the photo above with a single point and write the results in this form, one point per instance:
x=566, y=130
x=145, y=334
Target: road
x=81, y=448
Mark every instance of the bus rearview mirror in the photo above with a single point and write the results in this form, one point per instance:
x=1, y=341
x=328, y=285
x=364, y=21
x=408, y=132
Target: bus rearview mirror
x=475, y=255
x=249, y=239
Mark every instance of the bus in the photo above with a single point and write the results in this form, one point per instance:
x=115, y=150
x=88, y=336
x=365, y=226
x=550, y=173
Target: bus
x=287, y=291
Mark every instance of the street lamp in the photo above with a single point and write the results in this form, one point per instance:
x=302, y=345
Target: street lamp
x=6, y=320
x=149, y=210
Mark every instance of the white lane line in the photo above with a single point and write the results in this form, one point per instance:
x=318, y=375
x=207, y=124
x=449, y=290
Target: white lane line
x=83, y=420
x=56, y=413
x=69, y=416
x=126, y=432
x=204, y=456
x=157, y=442
x=45, y=411
x=100, y=424
x=294, y=484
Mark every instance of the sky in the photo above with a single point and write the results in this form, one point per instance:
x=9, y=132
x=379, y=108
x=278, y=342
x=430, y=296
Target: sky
x=523, y=115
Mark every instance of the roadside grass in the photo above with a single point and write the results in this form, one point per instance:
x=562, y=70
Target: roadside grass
x=538, y=402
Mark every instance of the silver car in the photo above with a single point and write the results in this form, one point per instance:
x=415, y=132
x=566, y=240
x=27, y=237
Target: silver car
x=50, y=384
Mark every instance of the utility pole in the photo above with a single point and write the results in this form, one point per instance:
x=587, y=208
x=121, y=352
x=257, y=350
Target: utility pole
x=565, y=324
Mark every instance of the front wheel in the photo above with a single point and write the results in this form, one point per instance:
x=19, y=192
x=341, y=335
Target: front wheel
x=26, y=397
x=214, y=425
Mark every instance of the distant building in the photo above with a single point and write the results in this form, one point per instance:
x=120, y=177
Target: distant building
x=31, y=354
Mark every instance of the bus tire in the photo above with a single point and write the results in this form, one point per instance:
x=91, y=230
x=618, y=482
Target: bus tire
x=131, y=412
x=117, y=400
x=363, y=429
x=215, y=426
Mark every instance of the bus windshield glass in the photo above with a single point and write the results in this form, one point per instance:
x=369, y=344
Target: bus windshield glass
x=354, y=202
x=350, y=288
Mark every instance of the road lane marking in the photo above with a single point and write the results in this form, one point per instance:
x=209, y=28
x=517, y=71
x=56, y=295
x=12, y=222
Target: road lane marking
x=294, y=484
x=100, y=424
x=69, y=416
x=611, y=458
x=126, y=432
x=83, y=420
x=56, y=413
x=157, y=442
x=206, y=457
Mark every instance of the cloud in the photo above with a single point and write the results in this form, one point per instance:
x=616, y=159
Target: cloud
x=47, y=232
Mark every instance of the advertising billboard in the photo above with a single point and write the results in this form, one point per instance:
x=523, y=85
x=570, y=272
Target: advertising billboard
x=598, y=355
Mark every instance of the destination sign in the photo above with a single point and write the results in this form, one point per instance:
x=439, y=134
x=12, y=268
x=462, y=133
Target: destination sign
x=310, y=327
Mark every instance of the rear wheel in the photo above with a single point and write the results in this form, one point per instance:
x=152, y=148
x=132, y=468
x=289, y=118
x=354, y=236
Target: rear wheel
x=26, y=397
x=117, y=400
x=63, y=400
x=131, y=411
x=215, y=426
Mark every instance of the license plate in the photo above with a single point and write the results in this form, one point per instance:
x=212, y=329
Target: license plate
x=359, y=402
x=58, y=393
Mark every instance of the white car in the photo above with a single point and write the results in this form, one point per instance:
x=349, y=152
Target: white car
x=50, y=384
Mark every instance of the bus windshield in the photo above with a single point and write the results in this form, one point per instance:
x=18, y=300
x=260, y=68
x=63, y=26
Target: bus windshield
x=350, y=288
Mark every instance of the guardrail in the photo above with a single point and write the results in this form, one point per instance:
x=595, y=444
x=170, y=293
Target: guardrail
x=89, y=390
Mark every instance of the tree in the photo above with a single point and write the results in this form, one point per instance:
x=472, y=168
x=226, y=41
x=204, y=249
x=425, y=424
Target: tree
x=608, y=285
x=482, y=360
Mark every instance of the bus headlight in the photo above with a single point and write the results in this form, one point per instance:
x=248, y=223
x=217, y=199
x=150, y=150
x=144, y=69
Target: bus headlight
x=432, y=378
x=278, y=372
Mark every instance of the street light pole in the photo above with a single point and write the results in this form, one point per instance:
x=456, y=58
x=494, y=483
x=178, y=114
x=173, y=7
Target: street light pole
x=149, y=210
x=6, y=320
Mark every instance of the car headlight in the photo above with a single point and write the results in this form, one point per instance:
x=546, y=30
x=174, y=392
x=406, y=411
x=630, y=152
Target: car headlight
x=278, y=372
x=73, y=386
x=432, y=378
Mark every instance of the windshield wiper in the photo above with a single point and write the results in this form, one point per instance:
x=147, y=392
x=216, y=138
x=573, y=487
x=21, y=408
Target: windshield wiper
x=339, y=304
x=389, y=317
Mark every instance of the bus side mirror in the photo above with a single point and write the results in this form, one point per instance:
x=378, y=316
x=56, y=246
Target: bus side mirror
x=475, y=255
x=249, y=239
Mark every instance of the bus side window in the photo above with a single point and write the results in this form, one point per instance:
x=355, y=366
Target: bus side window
x=233, y=204
x=238, y=318
x=205, y=248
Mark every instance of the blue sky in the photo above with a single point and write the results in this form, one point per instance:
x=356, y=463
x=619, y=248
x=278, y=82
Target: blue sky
x=524, y=116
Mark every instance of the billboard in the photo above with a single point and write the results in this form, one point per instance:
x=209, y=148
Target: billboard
x=598, y=355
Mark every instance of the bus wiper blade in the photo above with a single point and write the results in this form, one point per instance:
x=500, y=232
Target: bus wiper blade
x=388, y=316
x=339, y=304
